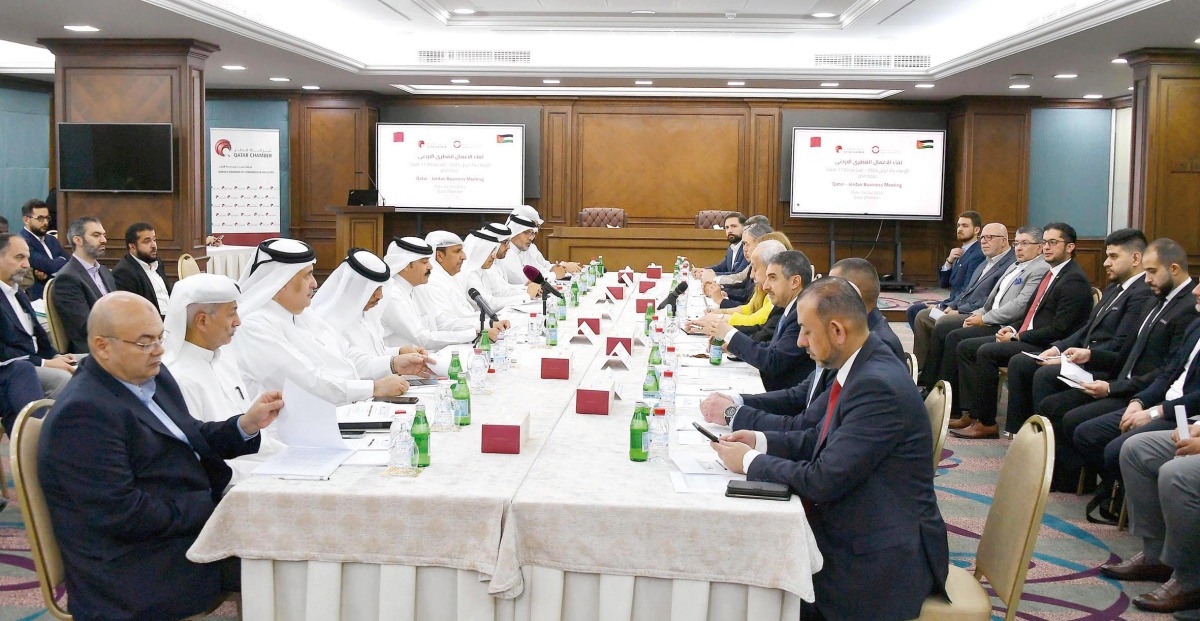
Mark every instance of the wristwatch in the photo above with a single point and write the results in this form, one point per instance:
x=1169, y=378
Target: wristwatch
x=729, y=412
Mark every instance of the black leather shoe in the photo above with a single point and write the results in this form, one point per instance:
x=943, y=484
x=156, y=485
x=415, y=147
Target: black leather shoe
x=1137, y=569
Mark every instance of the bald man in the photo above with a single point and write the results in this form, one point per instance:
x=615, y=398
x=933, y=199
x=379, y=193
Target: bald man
x=130, y=477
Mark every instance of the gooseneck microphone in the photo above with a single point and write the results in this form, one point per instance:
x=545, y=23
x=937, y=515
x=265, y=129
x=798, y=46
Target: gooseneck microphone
x=673, y=296
x=536, y=277
x=482, y=304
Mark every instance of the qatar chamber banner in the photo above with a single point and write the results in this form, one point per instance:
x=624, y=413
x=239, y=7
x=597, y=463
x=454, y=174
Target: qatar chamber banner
x=244, y=184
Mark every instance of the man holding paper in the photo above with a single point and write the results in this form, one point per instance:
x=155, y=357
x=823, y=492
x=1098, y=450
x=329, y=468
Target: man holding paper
x=130, y=477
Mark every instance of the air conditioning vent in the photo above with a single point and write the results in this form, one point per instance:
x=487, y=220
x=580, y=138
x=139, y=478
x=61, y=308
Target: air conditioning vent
x=872, y=61
x=473, y=57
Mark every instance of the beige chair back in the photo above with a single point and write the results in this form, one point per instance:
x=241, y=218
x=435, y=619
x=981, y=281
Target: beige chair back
x=911, y=359
x=56, y=330
x=937, y=405
x=187, y=266
x=1011, y=530
x=1096, y=295
x=43, y=546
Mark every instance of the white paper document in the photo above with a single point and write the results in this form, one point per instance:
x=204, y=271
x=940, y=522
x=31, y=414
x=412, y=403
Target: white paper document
x=1040, y=358
x=702, y=483
x=304, y=463
x=1072, y=371
x=369, y=442
x=368, y=412
x=307, y=420
x=689, y=463
x=936, y=313
x=1181, y=422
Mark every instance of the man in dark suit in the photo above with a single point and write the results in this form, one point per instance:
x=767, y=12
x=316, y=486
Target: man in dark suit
x=46, y=254
x=1062, y=303
x=736, y=258
x=960, y=263
x=780, y=362
x=21, y=335
x=865, y=279
x=872, y=451
x=82, y=280
x=1113, y=322
x=19, y=387
x=130, y=477
x=140, y=271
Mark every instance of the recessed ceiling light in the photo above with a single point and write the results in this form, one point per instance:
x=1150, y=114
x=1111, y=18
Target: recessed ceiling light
x=641, y=12
x=82, y=28
x=829, y=83
x=311, y=87
x=824, y=15
x=1197, y=40
x=1018, y=86
x=1129, y=89
x=1119, y=61
x=925, y=85
x=550, y=81
x=464, y=11
x=736, y=83
x=1093, y=96
x=643, y=82
x=281, y=79
x=1066, y=76
x=233, y=67
x=1020, y=80
x=460, y=81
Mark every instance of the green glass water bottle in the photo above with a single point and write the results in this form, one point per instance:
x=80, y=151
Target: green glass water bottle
x=655, y=355
x=575, y=293
x=649, y=318
x=456, y=367
x=551, y=330
x=639, y=433
x=461, y=394
x=420, y=434
x=650, y=384
x=714, y=350
x=600, y=264
x=485, y=345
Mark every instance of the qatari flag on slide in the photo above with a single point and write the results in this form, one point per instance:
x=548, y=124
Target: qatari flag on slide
x=398, y=137
x=814, y=141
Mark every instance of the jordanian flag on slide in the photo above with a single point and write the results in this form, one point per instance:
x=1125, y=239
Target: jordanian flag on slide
x=504, y=138
x=924, y=144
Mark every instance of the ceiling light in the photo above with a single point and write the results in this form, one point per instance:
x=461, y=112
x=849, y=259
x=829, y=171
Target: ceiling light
x=1119, y=61
x=1197, y=40
x=641, y=12
x=281, y=79
x=824, y=15
x=1066, y=76
x=736, y=83
x=1020, y=80
x=550, y=81
x=82, y=28
x=829, y=83
x=460, y=81
x=464, y=11
x=1129, y=89
x=1018, y=86
x=643, y=82
x=1093, y=96
x=233, y=67
x=311, y=87
x=925, y=85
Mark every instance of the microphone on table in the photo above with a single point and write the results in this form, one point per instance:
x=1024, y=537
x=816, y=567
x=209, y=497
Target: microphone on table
x=673, y=296
x=536, y=278
x=482, y=304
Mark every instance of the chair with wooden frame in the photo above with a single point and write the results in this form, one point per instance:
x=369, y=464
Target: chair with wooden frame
x=937, y=406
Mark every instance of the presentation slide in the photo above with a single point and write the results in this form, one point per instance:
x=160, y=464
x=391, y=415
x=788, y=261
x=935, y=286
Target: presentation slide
x=867, y=173
x=451, y=167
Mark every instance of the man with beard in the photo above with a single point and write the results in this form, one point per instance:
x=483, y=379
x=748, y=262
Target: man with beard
x=443, y=298
x=493, y=274
x=736, y=258
x=82, y=280
x=524, y=222
x=960, y=263
x=46, y=255
x=482, y=248
x=140, y=271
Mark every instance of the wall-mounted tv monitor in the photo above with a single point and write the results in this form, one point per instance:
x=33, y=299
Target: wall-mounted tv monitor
x=115, y=157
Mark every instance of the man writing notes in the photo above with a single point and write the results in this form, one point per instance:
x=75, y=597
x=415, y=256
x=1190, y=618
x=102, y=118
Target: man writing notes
x=960, y=263
x=780, y=362
x=140, y=271
x=82, y=280
x=46, y=255
x=130, y=477
x=202, y=320
x=404, y=323
x=524, y=222
x=278, y=340
x=863, y=471
x=736, y=258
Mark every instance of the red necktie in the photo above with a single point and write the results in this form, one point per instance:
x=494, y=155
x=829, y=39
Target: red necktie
x=1037, y=300
x=834, y=393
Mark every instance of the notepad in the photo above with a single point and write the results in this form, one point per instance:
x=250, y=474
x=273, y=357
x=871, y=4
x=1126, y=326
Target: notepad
x=304, y=463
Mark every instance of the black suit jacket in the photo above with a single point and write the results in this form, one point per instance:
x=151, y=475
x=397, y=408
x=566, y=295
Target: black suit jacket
x=74, y=295
x=775, y=410
x=1156, y=393
x=48, y=264
x=1112, y=322
x=130, y=277
x=870, y=485
x=977, y=290
x=127, y=498
x=1065, y=306
x=1146, y=352
x=879, y=326
x=780, y=362
x=764, y=332
x=15, y=341
x=739, y=293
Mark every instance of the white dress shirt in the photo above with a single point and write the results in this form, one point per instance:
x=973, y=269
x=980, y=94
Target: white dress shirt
x=273, y=345
x=214, y=391
x=157, y=282
x=1176, y=389
x=10, y=292
x=405, y=324
x=513, y=264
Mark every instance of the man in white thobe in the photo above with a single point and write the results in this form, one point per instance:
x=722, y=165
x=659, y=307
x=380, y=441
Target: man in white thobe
x=201, y=320
x=482, y=248
x=279, y=341
x=524, y=222
x=443, y=297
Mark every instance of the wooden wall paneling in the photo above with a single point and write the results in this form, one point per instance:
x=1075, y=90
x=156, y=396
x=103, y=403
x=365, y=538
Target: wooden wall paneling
x=556, y=165
x=764, y=163
x=999, y=177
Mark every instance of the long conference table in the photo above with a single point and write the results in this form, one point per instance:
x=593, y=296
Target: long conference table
x=570, y=528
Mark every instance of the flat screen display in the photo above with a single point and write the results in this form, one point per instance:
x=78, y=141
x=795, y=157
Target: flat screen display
x=115, y=157
x=451, y=167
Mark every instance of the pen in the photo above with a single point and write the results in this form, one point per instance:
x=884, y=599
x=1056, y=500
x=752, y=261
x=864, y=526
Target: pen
x=716, y=388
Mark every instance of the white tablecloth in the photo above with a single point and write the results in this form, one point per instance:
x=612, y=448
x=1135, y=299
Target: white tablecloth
x=228, y=260
x=568, y=529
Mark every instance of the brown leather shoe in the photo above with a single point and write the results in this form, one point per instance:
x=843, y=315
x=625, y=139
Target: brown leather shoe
x=977, y=431
x=1137, y=569
x=962, y=422
x=1170, y=597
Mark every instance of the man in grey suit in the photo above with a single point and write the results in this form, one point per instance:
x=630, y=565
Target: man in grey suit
x=1006, y=304
x=933, y=323
x=82, y=281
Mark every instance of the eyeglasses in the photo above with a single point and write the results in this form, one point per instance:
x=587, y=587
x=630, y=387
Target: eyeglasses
x=145, y=347
x=1053, y=242
x=1026, y=243
x=39, y=218
x=992, y=237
